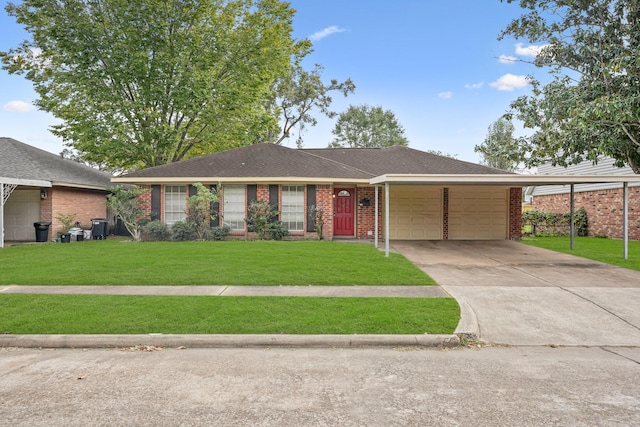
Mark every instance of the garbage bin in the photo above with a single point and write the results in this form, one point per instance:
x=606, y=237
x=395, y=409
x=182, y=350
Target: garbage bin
x=76, y=234
x=42, y=231
x=98, y=228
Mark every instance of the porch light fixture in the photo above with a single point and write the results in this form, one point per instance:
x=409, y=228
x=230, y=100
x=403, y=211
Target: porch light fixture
x=366, y=202
x=43, y=193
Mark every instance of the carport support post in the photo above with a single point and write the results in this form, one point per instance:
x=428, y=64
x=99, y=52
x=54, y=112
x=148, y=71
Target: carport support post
x=625, y=218
x=572, y=227
x=1, y=214
x=386, y=219
x=375, y=227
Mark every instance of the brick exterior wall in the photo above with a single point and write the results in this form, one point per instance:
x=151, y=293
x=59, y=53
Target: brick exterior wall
x=604, y=210
x=515, y=213
x=324, y=201
x=263, y=192
x=366, y=215
x=445, y=213
x=145, y=200
x=86, y=204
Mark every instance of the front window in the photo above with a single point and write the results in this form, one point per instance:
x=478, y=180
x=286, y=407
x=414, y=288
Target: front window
x=233, y=207
x=293, y=207
x=175, y=203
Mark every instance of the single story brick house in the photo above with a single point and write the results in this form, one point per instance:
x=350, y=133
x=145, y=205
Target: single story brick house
x=339, y=181
x=602, y=201
x=39, y=186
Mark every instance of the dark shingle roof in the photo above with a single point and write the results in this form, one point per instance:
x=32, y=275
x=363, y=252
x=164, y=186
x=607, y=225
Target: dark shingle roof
x=271, y=160
x=400, y=160
x=22, y=161
x=260, y=160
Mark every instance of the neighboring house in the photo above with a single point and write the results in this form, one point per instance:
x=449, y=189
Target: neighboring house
x=39, y=186
x=602, y=201
x=429, y=197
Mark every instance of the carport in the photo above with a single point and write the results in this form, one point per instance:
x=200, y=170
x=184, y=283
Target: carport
x=7, y=185
x=496, y=180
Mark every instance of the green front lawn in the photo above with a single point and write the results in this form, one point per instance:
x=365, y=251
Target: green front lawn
x=609, y=251
x=108, y=314
x=227, y=263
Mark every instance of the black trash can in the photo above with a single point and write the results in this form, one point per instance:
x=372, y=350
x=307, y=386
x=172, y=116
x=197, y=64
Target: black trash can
x=42, y=231
x=98, y=228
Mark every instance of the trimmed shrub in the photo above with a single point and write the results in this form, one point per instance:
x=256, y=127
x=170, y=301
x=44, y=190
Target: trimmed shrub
x=183, y=230
x=219, y=233
x=155, y=231
x=277, y=230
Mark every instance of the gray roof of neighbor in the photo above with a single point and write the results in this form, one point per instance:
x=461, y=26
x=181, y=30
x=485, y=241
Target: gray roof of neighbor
x=271, y=160
x=22, y=161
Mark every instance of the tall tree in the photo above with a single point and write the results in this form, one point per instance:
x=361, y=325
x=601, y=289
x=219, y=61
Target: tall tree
x=591, y=106
x=300, y=91
x=499, y=149
x=364, y=126
x=143, y=83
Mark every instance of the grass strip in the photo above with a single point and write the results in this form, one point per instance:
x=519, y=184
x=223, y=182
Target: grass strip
x=117, y=314
x=230, y=263
x=609, y=251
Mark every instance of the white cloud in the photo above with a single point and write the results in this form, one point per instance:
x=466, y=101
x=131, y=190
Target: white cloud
x=531, y=50
x=474, y=85
x=18, y=107
x=509, y=82
x=318, y=35
x=445, y=95
x=507, y=59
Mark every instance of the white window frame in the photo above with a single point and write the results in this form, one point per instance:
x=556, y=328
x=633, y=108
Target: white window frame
x=292, y=212
x=175, y=203
x=234, y=207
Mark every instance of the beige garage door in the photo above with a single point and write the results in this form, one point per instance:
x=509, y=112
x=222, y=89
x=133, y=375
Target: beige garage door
x=20, y=212
x=415, y=213
x=478, y=213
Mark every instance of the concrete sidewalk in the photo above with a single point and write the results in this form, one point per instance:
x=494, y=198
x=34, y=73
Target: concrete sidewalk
x=280, y=291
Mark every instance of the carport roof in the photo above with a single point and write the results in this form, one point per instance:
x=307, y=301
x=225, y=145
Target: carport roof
x=23, y=164
x=511, y=180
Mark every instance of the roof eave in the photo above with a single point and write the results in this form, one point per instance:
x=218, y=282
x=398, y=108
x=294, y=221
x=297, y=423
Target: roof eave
x=244, y=179
x=26, y=182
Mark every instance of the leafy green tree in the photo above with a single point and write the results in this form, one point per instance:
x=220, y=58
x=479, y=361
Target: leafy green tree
x=499, y=148
x=127, y=205
x=300, y=91
x=591, y=106
x=144, y=83
x=367, y=127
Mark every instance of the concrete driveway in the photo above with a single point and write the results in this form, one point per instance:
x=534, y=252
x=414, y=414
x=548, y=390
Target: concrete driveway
x=511, y=293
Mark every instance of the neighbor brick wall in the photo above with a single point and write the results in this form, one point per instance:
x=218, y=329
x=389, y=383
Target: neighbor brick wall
x=604, y=210
x=366, y=215
x=515, y=213
x=86, y=204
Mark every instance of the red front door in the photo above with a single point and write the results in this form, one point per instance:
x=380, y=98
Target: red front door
x=343, y=212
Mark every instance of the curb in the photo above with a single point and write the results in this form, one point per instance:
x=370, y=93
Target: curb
x=227, y=341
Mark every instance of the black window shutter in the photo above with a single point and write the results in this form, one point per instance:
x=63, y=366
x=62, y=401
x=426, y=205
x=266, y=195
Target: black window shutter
x=252, y=194
x=155, y=202
x=192, y=190
x=273, y=200
x=215, y=209
x=311, y=201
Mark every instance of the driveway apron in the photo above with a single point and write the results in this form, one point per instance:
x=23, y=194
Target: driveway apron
x=511, y=293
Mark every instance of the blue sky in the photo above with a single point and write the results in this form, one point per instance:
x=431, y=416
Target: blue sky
x=436, y=64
